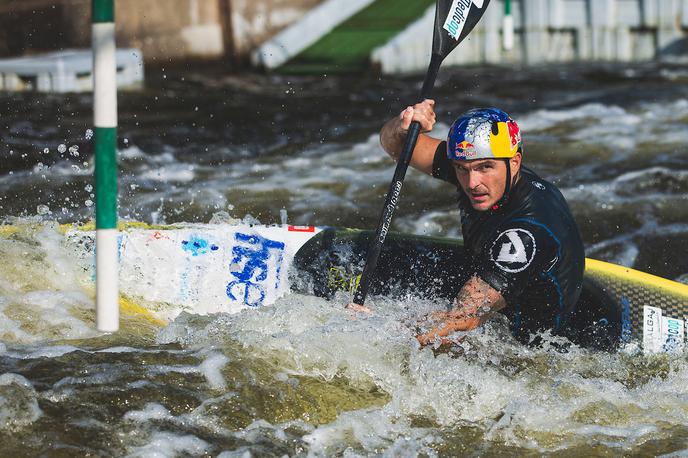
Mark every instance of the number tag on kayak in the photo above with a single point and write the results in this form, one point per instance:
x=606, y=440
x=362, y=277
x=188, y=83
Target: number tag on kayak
x=661, y=333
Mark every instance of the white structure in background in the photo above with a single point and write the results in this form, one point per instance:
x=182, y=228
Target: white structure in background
x=202, y=39
x=508, y=30
x=66, y=71
x=306, y=31
x=549, y=31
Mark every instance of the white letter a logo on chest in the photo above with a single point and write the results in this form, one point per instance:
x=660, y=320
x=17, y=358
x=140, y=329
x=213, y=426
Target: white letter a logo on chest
x=512, y=251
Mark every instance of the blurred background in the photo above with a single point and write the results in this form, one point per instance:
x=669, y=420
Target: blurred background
x=352, y=35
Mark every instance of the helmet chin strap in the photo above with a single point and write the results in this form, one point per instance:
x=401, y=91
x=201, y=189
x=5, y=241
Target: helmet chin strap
x=507, y=189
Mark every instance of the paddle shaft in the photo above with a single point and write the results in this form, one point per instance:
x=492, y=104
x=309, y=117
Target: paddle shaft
x=394, y=191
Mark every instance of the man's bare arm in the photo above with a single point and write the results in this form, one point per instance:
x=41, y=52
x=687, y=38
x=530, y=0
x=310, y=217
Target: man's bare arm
x=474, y=305
x=393, y=135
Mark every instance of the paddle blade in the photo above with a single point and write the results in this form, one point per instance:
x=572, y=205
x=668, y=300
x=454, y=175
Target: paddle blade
x=454, y=20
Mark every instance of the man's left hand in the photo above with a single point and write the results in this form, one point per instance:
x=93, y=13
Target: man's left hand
x=358, y=308
x=448, y=322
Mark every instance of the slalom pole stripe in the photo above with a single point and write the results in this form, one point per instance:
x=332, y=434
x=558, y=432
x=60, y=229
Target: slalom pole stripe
x=104, y=75
x=107, y=280
x=103, y=11
x=106, y=177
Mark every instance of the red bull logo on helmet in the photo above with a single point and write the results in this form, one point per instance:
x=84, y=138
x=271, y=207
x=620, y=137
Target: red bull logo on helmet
x=514, y=132
x=465, y=149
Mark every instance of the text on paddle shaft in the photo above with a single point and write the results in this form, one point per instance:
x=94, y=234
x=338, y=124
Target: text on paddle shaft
x=389, y=209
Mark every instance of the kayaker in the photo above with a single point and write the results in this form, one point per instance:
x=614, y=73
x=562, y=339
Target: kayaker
x=525, y=257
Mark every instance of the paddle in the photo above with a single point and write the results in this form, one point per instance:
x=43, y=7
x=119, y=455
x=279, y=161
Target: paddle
x=454, y=20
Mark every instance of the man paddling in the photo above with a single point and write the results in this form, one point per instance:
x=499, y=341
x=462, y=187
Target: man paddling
x=525, y=256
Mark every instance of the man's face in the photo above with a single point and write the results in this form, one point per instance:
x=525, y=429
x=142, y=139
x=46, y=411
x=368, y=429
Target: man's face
x=483, y=181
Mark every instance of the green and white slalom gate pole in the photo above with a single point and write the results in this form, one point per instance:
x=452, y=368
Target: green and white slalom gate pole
x=508, y=27
x=105, y=140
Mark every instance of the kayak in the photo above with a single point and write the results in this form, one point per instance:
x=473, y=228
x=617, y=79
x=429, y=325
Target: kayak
x=211, y=268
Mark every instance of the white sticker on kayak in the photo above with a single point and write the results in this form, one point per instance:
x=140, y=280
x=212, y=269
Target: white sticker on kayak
x=652, y=329
x=210, y=268
x=661, y=333
x=458, y=14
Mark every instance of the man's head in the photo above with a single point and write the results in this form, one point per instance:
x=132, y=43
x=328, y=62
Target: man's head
x=486, y=149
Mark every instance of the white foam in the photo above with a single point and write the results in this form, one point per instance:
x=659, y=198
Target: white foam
x=533, y=393
x=9, y=378
x=132, y=152
x=371, y=429
x=616, y=128
x=165, y=158
x=164, y=444
x=337, y=175
x=151, y=411
x=50, y=352
x=56, y=319
x=241, y=452
x=60, y=268
x=102, y=378
x=164, y=369
x=138, y=384
x=71, y=169
x=18, y=402
x=12, y=329
x=122, y=350
x=319, y=339
x=544, y=119
x=435, y=223
x=60, y=395
x=211, y=369
x=620, y=189
x=205, y=415
x=629, y=250
x=178, y=172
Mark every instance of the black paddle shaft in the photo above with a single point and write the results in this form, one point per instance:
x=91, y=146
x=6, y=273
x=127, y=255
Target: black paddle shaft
x=454, y=20
x=395, y=188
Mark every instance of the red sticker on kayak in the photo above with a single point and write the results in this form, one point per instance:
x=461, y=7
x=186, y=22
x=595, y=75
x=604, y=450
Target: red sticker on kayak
x=301, y=228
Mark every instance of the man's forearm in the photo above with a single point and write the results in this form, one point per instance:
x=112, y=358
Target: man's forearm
x=474, y=305
x=449, y=323
x=392, y=138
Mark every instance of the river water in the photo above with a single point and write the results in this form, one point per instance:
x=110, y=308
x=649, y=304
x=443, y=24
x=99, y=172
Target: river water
x=302, y=377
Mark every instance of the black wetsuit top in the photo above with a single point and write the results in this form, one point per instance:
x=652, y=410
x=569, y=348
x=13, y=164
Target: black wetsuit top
x=529, y=249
